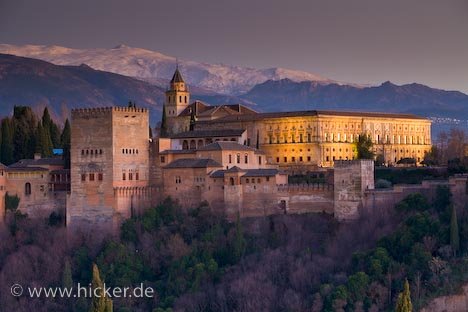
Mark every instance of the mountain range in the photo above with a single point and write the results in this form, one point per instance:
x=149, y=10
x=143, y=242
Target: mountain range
x=158, y=68
x=64, y=78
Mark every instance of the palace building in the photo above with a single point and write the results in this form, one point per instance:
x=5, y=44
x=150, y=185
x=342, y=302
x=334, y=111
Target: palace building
x=295, y=140
x=231, y=157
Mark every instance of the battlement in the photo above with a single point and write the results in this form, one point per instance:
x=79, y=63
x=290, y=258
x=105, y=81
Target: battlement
x=323, y=187
x=355, y=162
x=86, y=112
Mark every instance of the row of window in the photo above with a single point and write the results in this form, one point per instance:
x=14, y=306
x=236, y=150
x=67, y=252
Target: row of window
x=91, y=177
x=182, y=99
x=247, y=180
x=293, y=159
x=131, y=176
x=91, y=152
x=331, y=137
x=129, y=151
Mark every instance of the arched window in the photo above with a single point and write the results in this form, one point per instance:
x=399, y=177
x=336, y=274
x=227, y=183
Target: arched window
x=185, y=145
x=200, y=143
x=27, y=189
x=246, y=158
x=238, y=158
x=193, y=145
x=231, y=181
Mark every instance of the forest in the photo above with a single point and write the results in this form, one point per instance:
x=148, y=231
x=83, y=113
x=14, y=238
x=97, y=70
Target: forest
x=198, y=261
x=24, y=134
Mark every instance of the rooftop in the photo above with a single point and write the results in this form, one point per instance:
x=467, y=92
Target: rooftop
x=209, y=133
x=177, y=76
x=193, y=163
x=228, y=146
x=38, y=162
x=261, y=116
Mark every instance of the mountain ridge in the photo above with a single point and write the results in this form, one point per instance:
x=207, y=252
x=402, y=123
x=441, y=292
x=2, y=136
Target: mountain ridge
x=146, y=64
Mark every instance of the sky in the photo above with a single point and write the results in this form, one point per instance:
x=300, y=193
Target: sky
x=359, y=41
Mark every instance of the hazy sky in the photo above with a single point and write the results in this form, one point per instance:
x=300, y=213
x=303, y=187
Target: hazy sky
x=362, y=41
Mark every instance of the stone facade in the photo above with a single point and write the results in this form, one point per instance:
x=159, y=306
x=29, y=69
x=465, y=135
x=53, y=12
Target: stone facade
x=109, y=165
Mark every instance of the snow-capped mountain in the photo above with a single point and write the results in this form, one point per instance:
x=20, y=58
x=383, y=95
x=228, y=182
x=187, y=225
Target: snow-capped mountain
x=156, y=67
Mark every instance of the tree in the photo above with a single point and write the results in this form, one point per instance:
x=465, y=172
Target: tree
x=6, y=149
x=65, y=140
x=24, y=132
x=163, y=131
x=43, y=141
x=454, y=232
x=100, y=302
x=239, y=240
x=404, y=300
x=364, y=147
x=67, y=280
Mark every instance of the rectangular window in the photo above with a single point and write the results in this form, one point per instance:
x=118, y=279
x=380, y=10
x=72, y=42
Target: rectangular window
x=300, y=158
x=123, y=176
x=259, y=160
x=91, y=177
x=285, y=159
x=163, y=159
x=137, y=176
x=246, y=158
x=230, y=158
x=293, y=159
x=130, y=176
x=83, y=177
x=277, y=159
x=238, y=158
x=308, y=158
x=100, y=176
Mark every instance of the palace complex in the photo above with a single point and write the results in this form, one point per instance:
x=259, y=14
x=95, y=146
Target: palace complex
x=231, y=157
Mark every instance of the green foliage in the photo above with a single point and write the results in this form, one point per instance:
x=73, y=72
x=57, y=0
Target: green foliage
x=11, y=202
x=100, y=303
x=65, y=140
x=357, y=286
x=404, y=300
x=6, y=149
x=413, y=175
x=454, y=233
x=163, y=131
x=364, y=147
x=67, y=280
x=413, y=202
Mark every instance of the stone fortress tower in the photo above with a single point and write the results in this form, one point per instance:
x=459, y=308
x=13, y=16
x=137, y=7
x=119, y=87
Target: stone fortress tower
x=109, y=165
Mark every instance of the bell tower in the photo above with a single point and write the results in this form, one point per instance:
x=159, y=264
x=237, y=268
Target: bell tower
x=178, y=96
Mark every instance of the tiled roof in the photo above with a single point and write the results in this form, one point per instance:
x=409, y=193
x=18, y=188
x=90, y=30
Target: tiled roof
x=248, y=172
x=227, y=145
x=177, y=76
x=203, y=110
x=15, y=169
x=217, y=174
x=38, y=162
x=261, y=173
x=178, y=152
x=209, y=133
x=261, y=116
x=193, y=163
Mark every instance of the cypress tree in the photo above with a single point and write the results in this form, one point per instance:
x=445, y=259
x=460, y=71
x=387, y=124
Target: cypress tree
x=454, y=232
x=67, y=280
x=6, y=149
x=65, y=140
x=239, y=240
x=163, y=131
x=100, y=303
x=404, y=300
x=364, y=147
x=24, y=129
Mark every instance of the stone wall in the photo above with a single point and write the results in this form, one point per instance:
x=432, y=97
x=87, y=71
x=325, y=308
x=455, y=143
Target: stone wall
x=351, y=179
